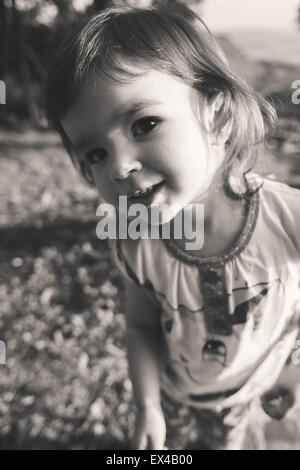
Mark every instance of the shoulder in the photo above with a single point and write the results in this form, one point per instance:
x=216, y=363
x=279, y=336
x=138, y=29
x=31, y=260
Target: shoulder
x=137, y=261
x=281, y=203
x=281, y=197
x=124, y=257
x=280, y=190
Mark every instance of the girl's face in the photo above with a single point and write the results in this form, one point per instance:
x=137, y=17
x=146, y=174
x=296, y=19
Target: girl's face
x=144, y=133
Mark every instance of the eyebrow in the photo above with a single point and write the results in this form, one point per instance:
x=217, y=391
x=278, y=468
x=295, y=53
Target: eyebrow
x=135, y=108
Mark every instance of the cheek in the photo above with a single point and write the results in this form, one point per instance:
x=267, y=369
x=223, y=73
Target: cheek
x=102, y=183
x=190, y=144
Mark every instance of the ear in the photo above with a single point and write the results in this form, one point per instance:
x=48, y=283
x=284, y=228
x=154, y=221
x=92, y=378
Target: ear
x=213, y=106
x=221, y=135
x=87, y=172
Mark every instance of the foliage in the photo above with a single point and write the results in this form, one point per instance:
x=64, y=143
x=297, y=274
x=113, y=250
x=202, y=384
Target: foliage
x=65, y=383
x=30, y=33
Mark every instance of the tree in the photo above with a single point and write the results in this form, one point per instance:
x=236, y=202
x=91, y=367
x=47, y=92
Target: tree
x=3, y=40
x=30, y=34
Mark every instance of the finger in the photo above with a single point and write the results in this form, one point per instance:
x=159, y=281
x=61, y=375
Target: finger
x=156, y=443
x=139, y=442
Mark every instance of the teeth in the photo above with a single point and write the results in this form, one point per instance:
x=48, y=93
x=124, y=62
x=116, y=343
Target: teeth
x=138, y=192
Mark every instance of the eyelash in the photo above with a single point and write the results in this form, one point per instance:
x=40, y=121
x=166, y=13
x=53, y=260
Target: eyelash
x=149, y=119
x=90, y=156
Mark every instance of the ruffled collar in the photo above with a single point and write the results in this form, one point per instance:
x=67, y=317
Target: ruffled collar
x=222, y=258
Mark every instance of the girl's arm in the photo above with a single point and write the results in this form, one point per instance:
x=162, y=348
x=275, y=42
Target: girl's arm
x=144, y=345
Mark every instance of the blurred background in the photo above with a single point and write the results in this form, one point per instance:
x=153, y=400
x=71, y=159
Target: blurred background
x=65, y=382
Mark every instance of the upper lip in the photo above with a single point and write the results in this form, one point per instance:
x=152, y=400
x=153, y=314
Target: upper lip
x=140, y=189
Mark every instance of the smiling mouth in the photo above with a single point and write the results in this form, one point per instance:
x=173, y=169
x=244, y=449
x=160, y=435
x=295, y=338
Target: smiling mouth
x=144, y=194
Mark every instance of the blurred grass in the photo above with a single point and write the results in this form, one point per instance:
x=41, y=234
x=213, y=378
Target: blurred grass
x=65, y=384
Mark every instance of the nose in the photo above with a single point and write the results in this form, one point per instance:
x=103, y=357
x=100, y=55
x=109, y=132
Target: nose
x=123, y=166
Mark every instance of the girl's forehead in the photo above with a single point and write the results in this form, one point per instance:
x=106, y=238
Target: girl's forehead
x=148, y=84
x=103, y=101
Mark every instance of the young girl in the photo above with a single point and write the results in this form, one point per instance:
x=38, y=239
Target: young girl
x=149, y=109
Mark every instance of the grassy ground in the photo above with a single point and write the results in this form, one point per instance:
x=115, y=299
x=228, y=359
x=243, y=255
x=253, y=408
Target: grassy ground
x=65, y=383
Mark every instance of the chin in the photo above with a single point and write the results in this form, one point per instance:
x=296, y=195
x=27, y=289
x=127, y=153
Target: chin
x=168, y=212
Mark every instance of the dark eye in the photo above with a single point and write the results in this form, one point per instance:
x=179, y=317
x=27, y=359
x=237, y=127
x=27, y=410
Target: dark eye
x=144, y=125
x=95, y=156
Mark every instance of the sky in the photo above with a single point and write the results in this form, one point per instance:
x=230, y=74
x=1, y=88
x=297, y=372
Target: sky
x=236, y=15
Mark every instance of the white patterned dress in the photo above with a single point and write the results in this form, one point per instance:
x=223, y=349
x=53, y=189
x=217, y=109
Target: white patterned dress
x=230, y=322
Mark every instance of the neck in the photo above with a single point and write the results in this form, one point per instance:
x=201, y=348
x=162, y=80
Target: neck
x=224, y=219
x=216, y=204
x=217, y=208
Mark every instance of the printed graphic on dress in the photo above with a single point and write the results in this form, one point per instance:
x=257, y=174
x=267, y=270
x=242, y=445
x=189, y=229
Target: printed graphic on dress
x=201, y=356
x=215, y=350
x=254, y=307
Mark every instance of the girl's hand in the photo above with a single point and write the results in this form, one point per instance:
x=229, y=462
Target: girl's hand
x=150, y=428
